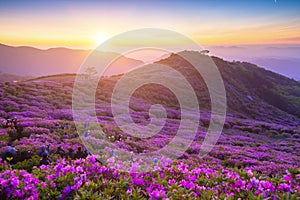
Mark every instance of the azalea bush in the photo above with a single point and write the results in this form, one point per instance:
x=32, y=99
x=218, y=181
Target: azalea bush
x=88, y=179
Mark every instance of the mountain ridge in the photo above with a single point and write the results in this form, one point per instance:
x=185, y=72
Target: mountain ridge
x=31, y=61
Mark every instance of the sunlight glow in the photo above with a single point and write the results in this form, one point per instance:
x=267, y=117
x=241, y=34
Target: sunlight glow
x=100, y=38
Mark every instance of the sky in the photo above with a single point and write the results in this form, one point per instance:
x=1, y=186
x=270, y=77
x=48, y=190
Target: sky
x=85, y=24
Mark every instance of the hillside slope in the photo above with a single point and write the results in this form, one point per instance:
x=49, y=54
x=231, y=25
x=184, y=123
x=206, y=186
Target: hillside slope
x=252, y=92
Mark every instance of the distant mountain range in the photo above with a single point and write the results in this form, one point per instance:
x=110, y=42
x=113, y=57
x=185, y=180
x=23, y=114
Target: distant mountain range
x=29, y=61
x=282, y=59
x=289, y=67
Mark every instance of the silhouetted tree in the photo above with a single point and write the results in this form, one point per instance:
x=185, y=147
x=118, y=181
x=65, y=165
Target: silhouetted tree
x=204, y=52
x=91, y=71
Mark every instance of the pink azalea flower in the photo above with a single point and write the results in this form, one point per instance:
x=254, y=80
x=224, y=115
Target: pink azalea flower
x=157, y=194
x=287, y=178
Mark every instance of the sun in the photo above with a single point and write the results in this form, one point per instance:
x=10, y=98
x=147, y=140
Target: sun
x=100, y=38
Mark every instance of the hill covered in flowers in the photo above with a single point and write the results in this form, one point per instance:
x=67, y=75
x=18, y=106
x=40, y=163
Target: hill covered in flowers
x=256, y=157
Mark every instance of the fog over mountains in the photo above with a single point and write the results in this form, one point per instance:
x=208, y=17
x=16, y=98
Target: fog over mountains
x=29, y=61
x=282, y=59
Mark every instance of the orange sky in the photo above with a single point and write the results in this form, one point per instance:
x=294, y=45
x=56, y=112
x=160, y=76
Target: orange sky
x=87, y=25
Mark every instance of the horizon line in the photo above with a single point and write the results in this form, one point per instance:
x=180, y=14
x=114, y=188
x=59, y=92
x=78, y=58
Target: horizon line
x=40, y=47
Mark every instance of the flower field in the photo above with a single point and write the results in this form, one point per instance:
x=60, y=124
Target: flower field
x=88, y=179
x=252, y=159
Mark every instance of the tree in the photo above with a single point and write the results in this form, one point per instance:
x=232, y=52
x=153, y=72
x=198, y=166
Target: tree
x=204, y=52
x=91, y=71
